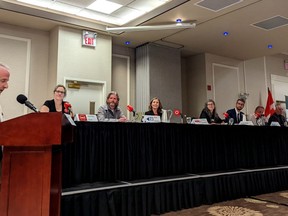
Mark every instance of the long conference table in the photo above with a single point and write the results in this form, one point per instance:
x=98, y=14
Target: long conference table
x=109, y=152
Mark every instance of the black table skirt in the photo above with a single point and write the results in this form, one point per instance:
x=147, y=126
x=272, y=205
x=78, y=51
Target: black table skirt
x=109, y=152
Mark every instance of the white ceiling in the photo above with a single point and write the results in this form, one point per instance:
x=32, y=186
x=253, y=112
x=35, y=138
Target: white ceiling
x=245, y=40
x=116, y=12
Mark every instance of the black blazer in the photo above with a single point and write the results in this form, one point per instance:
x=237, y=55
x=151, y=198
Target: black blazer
x=277, y=118
x=150, y=112
x=215, y=116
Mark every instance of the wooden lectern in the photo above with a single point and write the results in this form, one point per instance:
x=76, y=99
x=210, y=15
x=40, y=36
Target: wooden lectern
x=32, y=164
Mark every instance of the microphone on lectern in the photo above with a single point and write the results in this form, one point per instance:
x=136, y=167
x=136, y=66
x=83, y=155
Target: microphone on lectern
x=23, y=100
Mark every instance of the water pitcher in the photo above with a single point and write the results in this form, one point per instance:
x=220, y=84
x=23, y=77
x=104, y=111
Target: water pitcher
x=166, y=115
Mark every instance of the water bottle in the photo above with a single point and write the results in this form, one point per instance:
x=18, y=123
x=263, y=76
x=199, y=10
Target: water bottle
x=259, y=122
x=231, y=121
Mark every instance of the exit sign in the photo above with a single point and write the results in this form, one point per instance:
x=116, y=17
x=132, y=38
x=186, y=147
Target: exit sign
x=89, y=38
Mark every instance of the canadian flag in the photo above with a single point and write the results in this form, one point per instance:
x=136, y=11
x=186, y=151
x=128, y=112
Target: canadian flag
x=269, y=110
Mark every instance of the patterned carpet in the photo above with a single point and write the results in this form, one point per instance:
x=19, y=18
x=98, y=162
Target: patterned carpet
x=274, y=204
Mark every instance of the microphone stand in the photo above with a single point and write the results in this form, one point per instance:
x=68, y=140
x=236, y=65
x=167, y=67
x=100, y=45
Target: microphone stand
x=135, y=116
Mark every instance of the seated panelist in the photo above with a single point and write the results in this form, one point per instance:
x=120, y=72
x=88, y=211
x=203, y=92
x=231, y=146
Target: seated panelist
x=57, y=104
x=258, y=117
x=111, y=110
x=236, y=114
x=209, y=112
x=278, y=116
x=155, y=107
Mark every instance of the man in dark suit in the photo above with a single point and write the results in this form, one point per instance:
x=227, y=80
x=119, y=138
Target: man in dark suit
x=236, y=114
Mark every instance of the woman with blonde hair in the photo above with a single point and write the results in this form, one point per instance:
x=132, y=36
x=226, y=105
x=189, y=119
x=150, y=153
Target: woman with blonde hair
x=57, y=104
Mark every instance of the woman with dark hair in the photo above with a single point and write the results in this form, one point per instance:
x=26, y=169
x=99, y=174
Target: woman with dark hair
x=155, y=107
x=209, y=112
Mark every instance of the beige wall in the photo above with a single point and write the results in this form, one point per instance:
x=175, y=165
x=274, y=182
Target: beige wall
x=158, y=74
x=196, y=84
x=52, y=56
x=121, y=57
x=33, y=62
x=254, y=76
x=75, y=60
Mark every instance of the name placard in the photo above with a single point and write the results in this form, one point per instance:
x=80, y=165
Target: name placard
x=85, y=117
x=246, y=123
x=151, y=119
x=200, y=121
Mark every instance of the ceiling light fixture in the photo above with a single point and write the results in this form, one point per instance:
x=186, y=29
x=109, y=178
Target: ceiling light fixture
x=151, y=28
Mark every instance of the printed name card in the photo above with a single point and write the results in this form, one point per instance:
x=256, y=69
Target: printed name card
x=151, y=119
x=200, y=121
x=85, y=117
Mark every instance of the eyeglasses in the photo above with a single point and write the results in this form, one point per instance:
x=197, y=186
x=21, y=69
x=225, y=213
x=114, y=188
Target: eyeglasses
x=60, y=92
x=210, y=104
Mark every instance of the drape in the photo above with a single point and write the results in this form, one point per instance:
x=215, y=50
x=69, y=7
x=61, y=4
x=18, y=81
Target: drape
x=111, y=152
x=157, y=199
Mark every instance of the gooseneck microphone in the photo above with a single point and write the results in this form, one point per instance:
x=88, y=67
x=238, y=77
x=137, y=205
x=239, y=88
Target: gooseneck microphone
x=23, y=100
x=131, y=109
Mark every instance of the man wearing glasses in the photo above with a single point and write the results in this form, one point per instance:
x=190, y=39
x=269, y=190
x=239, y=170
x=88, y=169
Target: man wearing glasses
x=236, y=114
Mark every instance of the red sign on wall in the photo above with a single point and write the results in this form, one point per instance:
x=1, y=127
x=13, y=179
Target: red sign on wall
x=89, y=38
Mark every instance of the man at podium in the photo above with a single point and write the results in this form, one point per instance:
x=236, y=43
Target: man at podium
x=4, y=78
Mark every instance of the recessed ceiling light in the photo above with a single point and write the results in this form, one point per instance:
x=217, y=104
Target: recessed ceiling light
x=127, y=42
x=225, y=33
x=116, y=12
x=178, y=20
x=270, y=46
x=38, y=3
x=104, y=6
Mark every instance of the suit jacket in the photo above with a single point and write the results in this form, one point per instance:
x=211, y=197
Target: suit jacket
x=277, y=118
x=232, y=114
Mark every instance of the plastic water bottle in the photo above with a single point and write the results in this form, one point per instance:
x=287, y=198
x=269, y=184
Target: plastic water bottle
x=259, y=122
x=231, y=121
